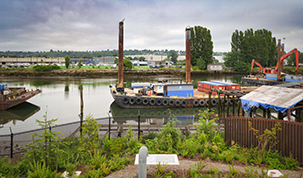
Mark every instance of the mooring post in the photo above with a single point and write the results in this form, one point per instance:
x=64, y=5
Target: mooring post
x=264, y=111
x=242, y=112
x=209, y=101
x=143, y=153
x=223, y=105
x=12, y=142
x=187, y=66
x=239, y=106
x=233, y=105
x=279, y=64
x=227, y=107
x=219, y=104
x=120, y=63
x=139, y=124
x=268, y=113
x=280, y=115
x=109, y=121
x=81, y=111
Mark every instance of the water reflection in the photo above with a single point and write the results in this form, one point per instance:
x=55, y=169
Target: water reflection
x=18, y=113
x=161, y=116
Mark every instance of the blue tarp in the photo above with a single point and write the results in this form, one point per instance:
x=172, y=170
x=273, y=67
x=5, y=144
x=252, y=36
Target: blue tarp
x=247, y=105
x=278, y=98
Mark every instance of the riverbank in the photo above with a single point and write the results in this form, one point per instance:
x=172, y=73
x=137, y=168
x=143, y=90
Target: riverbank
x=95, y=73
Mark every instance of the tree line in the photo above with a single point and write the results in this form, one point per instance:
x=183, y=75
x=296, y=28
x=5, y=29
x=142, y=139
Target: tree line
x=87, y=54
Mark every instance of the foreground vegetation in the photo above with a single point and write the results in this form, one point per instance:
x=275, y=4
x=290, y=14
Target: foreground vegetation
x=49, y=154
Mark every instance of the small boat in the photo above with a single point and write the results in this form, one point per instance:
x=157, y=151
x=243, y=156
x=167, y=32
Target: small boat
x=12, y=96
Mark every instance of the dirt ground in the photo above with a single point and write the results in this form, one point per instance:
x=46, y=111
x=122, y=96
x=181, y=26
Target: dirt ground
x=131, y=171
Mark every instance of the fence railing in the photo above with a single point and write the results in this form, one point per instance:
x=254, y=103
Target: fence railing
x=10, y=143
x=289, y=139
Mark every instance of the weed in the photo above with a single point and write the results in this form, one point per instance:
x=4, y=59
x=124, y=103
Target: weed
x=251, y=172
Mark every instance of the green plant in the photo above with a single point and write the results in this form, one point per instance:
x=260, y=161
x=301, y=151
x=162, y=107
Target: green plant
x=267, y=138
x=45, y=68
x=71, y=169
x=232, y=171
x=161, y=171
x=214, y=170
x=96, y=159
x=206, y=125
x=169, y=136
x=89, y=137
x=95, y=173
x=37, y=169
x=45, y=147
x=291, y=163
x=251, y=172
x=129, y=139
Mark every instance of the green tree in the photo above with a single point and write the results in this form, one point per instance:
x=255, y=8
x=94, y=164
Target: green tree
x=201, y=64
x=80, y=63
x=174, y=57
x=229, y=59
x=201, y=45
x=141, y=58
x=241, y=66
x=248, y=45
x=127, y=64
x=67, y=61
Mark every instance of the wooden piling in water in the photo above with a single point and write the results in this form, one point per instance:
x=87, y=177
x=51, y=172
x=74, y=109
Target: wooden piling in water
x=219, y=104
x=227, y=107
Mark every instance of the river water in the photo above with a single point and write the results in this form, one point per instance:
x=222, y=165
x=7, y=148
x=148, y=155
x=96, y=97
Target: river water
x=60, y=98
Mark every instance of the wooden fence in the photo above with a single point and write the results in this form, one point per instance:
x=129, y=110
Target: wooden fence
x=290, y=138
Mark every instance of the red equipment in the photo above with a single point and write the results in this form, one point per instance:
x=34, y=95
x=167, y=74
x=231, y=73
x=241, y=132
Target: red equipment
x=252, y=66
x=275, y=71
x=286, y=56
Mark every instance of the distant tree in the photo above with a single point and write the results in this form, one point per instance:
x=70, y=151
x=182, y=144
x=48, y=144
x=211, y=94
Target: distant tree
x=80, y=63
x=241, y=67
x=201, y=64
x=248, y=45
x=290, y=62
x=174, y=57
x=127, y=64
x=201, y=45
x=229, y=59
x=141, y=58
x=67, y=61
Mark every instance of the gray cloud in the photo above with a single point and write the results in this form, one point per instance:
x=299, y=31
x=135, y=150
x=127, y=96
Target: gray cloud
x=93, y=24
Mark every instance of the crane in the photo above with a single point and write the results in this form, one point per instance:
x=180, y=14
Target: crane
x=294, y=51
x=252, y=66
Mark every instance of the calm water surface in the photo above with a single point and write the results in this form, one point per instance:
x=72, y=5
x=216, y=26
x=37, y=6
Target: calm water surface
x=60, y=98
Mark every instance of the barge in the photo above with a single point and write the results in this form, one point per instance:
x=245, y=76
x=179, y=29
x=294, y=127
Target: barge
x=173, y=95
x=12, y=96
x=165, y=95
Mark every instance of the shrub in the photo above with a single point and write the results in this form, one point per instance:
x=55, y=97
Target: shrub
x=89, y=138
x=45, y=68
x=169, y=136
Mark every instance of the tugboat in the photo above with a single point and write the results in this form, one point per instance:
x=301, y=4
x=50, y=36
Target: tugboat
x=12, y=96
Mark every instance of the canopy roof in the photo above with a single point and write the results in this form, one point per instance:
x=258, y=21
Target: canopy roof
x=279, y=98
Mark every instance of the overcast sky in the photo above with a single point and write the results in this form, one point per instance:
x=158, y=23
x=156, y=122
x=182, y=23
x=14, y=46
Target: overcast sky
x=80, y=25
